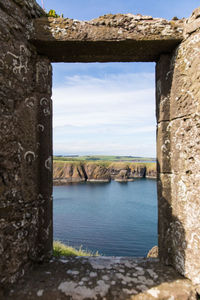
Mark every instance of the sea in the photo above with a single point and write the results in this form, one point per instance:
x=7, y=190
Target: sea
x=115, y=219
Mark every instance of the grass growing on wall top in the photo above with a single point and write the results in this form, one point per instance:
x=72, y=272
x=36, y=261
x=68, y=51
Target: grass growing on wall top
x=60, y=249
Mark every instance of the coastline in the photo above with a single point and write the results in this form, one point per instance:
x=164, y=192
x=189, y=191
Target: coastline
x=61, y=182
x=101, y=172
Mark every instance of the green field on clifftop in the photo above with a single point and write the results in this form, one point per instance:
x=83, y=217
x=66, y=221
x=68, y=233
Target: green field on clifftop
x=107, y=158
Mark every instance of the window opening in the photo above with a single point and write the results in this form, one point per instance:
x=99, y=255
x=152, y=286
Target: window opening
x=104, y=128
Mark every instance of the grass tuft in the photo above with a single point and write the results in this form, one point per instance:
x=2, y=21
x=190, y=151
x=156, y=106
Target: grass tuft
x=60, y=249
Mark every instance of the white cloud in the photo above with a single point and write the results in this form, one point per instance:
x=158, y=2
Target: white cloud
x=110, y=149
x=116, y=106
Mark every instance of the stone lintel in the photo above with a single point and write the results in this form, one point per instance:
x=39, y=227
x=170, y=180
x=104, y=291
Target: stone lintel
x=108, y=38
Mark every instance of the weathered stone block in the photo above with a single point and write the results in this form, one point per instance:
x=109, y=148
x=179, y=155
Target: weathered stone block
x=191, y=27
x=164, y=73
x=185, y=145
x=165, y=217
x=185, y=92
x=163, y=147
x=108, y=38
x=178, y=148
x=185, y=230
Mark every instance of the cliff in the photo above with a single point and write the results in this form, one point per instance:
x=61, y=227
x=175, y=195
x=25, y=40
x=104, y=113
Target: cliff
x=67, y=172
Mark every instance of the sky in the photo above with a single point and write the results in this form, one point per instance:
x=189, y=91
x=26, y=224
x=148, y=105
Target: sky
x=107, y=108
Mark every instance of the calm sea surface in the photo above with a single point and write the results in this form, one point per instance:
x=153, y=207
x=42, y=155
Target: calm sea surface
x=118, y=219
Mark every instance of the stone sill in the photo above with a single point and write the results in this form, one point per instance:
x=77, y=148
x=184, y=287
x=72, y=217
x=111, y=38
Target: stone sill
x=112, y=278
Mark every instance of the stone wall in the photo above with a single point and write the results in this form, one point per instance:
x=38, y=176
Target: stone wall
x=25, y=139
x=28, y=44
x=178, y=116
x=142, y=38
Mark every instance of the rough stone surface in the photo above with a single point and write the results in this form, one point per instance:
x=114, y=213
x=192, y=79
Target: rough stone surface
x=178, y=116
x=102, y=278
x=108, y=38
x=25, y=130
x=26, y=142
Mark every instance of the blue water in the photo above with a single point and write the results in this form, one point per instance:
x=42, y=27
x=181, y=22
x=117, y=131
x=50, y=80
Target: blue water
x=113, y=218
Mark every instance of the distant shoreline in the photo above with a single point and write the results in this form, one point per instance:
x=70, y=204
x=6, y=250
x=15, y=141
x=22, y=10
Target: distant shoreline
x=63, y=183
x=105, y=158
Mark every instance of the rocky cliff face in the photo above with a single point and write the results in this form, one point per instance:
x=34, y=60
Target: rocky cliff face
x=66, y=172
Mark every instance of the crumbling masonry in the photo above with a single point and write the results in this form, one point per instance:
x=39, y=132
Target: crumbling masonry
x=29, y=42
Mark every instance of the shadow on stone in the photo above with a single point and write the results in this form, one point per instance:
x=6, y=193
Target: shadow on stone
x=101, y=278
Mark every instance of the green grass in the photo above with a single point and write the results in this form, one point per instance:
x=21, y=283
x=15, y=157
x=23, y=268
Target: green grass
x=60, y=249
x=117, y=164
x=60, y=162
x=107, y=158
x=150, y=166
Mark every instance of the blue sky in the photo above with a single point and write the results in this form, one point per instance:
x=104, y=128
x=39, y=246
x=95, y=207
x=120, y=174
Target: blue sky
x=89, y=9
x=107, y=108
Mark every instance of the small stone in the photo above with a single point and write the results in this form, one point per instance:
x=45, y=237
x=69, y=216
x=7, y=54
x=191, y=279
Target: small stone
x=153, y=292
x=85, y=279
x=40, y=293
x=105, y=277
x=142, y=278
x=142, y=287
x=93, y=274
x=64, y=261
x=71, y=272
x=121, y=270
